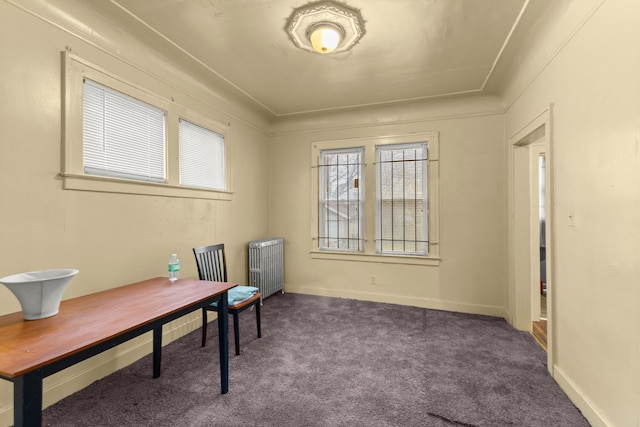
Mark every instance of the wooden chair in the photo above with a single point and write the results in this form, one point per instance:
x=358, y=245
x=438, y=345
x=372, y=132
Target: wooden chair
x=212, y=266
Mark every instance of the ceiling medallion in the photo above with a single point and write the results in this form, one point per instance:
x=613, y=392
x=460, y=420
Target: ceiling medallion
x=325, y=27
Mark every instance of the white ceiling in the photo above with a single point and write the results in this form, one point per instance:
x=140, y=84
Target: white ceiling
x=412, y=49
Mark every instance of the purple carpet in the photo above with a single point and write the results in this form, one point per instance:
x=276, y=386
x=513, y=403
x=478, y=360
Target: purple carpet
x=336, y=362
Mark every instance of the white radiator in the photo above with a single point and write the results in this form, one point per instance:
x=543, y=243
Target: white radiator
x=266, y=265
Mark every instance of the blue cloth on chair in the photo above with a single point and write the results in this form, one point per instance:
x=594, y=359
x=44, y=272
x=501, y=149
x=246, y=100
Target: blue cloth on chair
x=239, y=294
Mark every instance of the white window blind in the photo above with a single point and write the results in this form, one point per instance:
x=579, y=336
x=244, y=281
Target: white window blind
x=341, y=200
x=402, y=209
x=122, y=136
x=202, y=161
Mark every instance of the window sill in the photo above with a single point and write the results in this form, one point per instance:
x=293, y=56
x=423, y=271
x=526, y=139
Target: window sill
x=377, y=258
x=123, y=186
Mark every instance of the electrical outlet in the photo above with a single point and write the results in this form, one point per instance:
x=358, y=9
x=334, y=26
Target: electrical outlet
x=572, y=218
x=372, y=279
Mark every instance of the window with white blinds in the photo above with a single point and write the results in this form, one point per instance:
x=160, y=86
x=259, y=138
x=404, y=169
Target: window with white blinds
x=202, y=162
x=122, y=136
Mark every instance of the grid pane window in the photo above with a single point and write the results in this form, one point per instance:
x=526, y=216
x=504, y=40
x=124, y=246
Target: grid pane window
x=402, y=209
x=341, y=202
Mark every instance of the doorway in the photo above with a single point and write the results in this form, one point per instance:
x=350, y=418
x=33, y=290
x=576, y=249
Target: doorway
x=539, y=257
x=531, y=230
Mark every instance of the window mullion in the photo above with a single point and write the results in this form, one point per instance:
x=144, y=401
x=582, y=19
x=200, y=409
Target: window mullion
x=337, y=202
x=348, y=189
x=415, y=201
x=404, y=202
x=393, y=206
x=359, y=168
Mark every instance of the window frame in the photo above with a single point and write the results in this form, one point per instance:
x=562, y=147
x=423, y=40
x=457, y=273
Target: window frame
x=75, y=70
x=380, y=149
x=141, y=145
x=370, y=254
x=360, y=201
x=214, y=127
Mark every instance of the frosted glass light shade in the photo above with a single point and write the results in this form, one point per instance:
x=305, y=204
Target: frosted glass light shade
x=325, y=27
x=325, y=37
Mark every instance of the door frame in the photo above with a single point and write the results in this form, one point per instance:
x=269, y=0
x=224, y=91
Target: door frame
x=538, y=131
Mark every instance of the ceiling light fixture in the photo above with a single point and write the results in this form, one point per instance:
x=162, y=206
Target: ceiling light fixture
x=325, y=27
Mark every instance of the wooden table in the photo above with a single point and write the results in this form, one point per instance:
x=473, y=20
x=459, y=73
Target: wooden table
x=31, y=350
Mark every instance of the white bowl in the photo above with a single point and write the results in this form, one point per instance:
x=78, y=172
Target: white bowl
x=39, y=292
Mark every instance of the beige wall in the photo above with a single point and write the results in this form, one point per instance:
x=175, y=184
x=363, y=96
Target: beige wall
x=582, y=60
x=472, y=274
x=113, y=239
x=583, y=64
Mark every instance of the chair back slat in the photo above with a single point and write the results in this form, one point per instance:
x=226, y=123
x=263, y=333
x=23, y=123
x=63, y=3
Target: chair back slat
x=212, y=263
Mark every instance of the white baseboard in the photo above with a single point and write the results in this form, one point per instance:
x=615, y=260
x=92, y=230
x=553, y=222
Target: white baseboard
x=430, y=303
x=595, y=417
x=68, y=381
